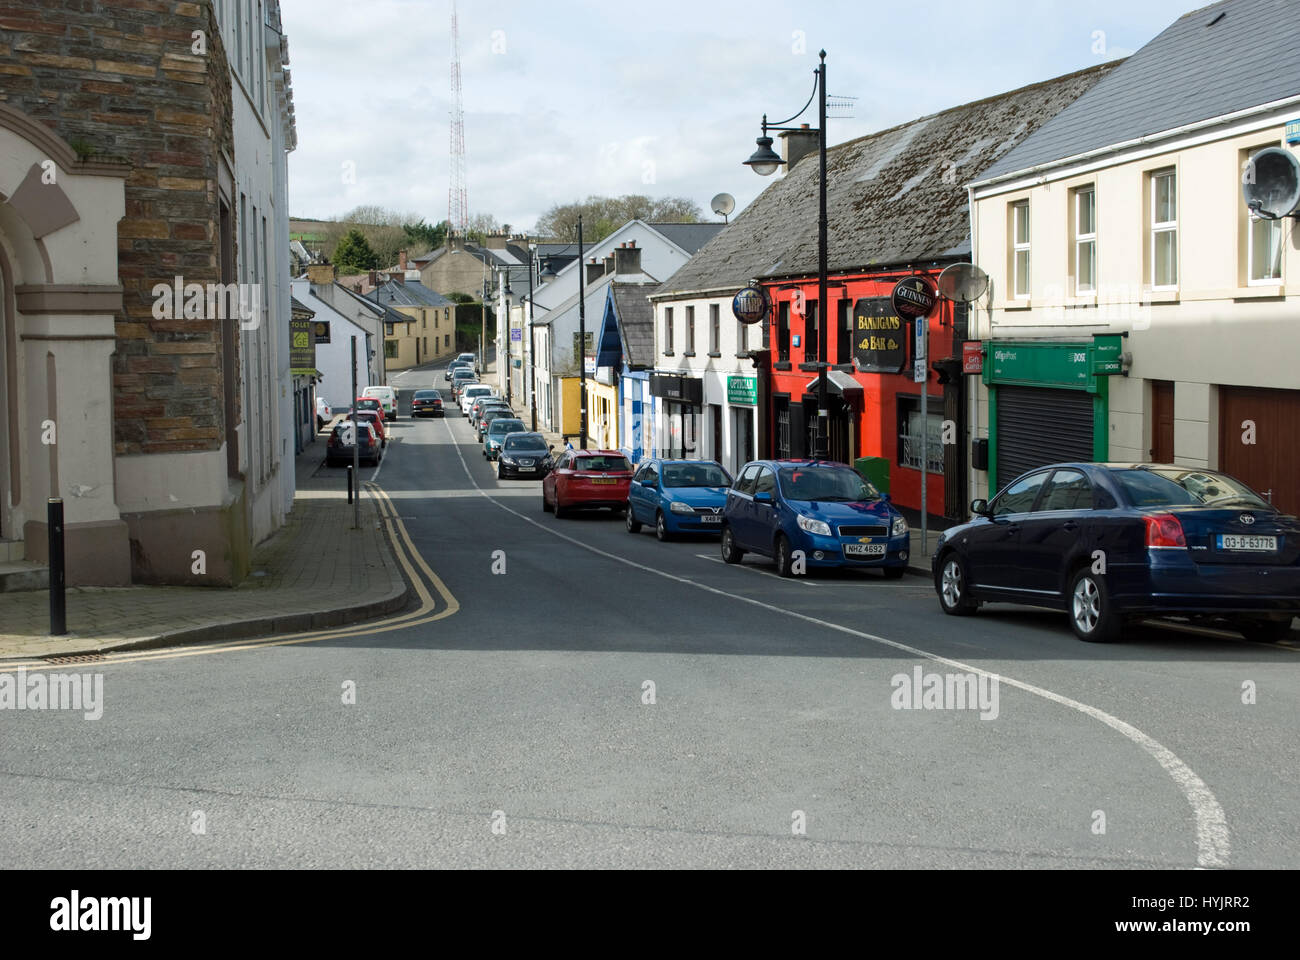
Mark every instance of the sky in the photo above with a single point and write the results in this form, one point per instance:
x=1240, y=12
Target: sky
x=564, y=99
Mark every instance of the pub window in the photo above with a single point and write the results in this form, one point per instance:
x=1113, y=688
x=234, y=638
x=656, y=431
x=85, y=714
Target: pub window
x=783, y=332
x=843, y=332
x=810, y=342
x=1020, y=249
x=911, y=432
x=1085, y=240
x=1164, y=229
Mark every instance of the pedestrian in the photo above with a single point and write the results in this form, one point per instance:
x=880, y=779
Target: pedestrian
x=568, y=444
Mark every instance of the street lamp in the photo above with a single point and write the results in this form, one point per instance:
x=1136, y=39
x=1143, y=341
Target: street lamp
x=507, y=293
x=764, y=162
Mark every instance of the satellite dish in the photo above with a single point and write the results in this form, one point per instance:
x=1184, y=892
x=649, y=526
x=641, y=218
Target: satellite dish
x=963, y=282
x=723, y=204
x=1270, y=184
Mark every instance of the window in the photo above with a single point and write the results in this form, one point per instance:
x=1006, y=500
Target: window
x=783, y=332
x=1264, y=249
x=389, y=329
x=1069, y=490
x=1085, y=240
x=810, y=342
x=1020, y=249
x=748, y=480
x=690, y=332
x=668, y=331
x=1164, y=229
x=715, y=330
x=766, y=482
x=843, y=332
x=390, y=349
x=742, y=338
x=1020, y=496
x=910, y=434
x=446, y=340
x=426, y=346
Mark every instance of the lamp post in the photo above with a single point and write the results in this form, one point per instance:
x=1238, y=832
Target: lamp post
x=504, y=327
x=582, y=345
x=532, y=344
x=764, y=162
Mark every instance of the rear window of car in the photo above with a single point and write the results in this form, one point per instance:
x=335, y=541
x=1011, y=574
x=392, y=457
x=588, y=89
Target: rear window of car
x=427, y=395
x=502, y=425
x=605, y=464
x=1166, y=488
x=368, y=403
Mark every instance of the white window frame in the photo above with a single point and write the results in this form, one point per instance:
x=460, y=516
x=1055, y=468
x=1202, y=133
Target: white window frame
x=668, y=331
x=1160, y=227
x=1018, y=246
x=1082, y=240
x=1251, y=280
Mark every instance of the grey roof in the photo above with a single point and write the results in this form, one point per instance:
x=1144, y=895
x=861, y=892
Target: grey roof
x=389, y=314
x=895, y=197
x=689, y=236
x=297, y=306
x=412, y=293
x=1196, y=69
x=636, y=321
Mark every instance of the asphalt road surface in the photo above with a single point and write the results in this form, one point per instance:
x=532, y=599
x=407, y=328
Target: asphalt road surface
x=574, y=696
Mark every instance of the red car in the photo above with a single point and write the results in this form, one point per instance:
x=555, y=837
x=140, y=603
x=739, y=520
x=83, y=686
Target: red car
x=587, y=479
x=376, y=419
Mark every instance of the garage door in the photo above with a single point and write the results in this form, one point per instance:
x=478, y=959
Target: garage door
x=1037, y=426
x=1271, y=465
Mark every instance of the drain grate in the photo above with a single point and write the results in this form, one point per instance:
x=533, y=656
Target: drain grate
x=75, y=658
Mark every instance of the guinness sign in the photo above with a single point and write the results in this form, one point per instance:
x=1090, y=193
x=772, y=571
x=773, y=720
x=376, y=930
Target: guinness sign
x=914, y=297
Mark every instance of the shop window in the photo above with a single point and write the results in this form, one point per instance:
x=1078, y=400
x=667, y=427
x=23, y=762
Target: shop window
x=911, y=434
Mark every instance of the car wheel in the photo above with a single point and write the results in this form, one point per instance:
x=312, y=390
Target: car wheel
x=895, y=573
x=1092, y=614
x=632, y=523
x=661, y=527
x=730, y=552
x=784, y=556
x=546, y=506
x=1263, y=631
x=500, y=473
x=559, y=510
x=954, y=587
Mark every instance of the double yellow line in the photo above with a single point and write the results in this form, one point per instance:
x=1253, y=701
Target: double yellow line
x=424, y=580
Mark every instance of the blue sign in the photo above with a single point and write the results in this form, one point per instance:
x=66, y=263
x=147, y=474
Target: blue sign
x=1293, y=131
x=750, y=305
x=516, y=334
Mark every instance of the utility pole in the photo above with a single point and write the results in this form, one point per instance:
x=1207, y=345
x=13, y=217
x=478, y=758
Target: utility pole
x=356, y=444
x=532, y=342
x=582, y=344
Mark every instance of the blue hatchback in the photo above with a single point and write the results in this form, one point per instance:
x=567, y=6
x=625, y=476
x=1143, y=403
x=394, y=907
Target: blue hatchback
x=812, y=512
x=677, y=496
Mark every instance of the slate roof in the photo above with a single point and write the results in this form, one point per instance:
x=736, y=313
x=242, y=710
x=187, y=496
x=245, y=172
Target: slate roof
x=894, y=197
x=389, y=314
x=636, y=321
x=412, y=293
x=1226, y=57
x=689, y=236
x=299, y=310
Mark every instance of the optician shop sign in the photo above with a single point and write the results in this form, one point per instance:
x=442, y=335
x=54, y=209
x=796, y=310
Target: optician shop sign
x=742, y=390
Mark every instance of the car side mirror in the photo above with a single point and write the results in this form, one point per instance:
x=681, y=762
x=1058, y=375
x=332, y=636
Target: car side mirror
x=980, y=508
x=762, y=498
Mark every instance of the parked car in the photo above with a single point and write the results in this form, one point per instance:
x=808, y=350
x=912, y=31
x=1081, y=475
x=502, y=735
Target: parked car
x=472, y=392
x=1106, y=542
x=454, y=366
x=824, y=509
x=426, y=403
x=323, y=413
x=488, y=413
x=524, y=455
x=471, y=359
x=678, y=496
x=386, y=396
x=587, y=479
x=460, y=379
x=482, y=403
x=376, y=420
x=497, y=431
x=368, y=403
x=338, y=449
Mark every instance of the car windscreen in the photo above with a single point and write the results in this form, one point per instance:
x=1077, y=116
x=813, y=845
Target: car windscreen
x=1175, y=487
x=695, y=475
x=604, y=464
x=822, y=483
x=525, y=445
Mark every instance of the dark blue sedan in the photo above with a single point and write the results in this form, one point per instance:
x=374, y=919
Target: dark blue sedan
x=812, y=513
x=1109, y=541
x=677, y=496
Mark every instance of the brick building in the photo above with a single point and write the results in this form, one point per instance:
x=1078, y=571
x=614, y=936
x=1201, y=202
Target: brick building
x=143, y=153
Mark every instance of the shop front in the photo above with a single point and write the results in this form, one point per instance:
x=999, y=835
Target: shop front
x=739, y=411
x=1048, y=402
x=680, y=408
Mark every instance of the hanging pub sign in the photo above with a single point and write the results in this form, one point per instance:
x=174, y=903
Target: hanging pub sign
x=751, y=304
x=914, y=297
x=879, y=336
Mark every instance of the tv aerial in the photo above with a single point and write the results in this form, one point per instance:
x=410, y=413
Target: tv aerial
x=722, y=205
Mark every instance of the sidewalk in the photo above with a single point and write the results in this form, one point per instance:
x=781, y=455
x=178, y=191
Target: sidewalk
x=314, y=572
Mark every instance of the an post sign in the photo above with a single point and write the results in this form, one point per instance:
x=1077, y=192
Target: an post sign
x=742, y=390
x=1293, y=131
x=879, y=336
x=1061, y=364
x=751, y=304
x=302, y=349
x=914, y=297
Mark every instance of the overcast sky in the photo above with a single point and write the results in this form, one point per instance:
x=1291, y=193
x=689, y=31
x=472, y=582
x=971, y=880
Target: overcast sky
x=663, y=97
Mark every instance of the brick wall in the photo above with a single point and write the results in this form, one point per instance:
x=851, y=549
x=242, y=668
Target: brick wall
x=120, y=79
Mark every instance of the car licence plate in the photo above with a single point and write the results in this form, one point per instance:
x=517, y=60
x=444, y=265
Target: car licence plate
x=864, y=549
x=527, y=469
x=711, y=518
x=1236, y=541
x=603, y=480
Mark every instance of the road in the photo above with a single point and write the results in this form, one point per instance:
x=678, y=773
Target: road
x=510, y=725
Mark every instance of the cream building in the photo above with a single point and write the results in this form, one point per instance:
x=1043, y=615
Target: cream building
x=1137, y=310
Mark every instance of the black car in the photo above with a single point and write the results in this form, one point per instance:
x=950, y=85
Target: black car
x=426, y=403
x=1110, y=541
x=489, y=412
x=524, y=455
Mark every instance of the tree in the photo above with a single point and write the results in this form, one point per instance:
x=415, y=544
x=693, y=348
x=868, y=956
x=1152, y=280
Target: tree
x=460, y=298
x=423, y=237
x=354, y=253
x=601, y=216
x=479, y=226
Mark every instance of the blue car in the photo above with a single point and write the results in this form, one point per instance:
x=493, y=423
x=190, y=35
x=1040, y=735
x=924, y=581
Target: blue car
x=815, y=513
x=1110, y=541
x=677, y=496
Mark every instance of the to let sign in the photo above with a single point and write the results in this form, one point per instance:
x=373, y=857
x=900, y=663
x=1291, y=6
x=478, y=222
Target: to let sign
x=879, y=336
x=302, y=349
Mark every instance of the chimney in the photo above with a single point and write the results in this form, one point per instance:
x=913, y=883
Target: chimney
x=595, y=270
x=797, y=144
x=609, y=262
x=495, y=241
x=398, y=276
x=401, y=260
x=627, y=259
x=320, y=273
x=374, y=279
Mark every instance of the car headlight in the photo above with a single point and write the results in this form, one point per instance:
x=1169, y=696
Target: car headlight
x=679, y=507
x=820, y=527
x=506, y=458
x=899, y=528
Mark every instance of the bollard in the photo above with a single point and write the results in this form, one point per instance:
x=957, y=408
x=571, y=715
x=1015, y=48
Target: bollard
x=349, y=483
x=58, y=577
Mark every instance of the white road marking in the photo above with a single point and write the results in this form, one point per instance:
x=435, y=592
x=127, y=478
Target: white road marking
x=1213, y=844
x=762, y=573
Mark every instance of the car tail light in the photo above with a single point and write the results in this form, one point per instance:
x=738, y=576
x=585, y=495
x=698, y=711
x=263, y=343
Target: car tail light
x=1164, y=530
